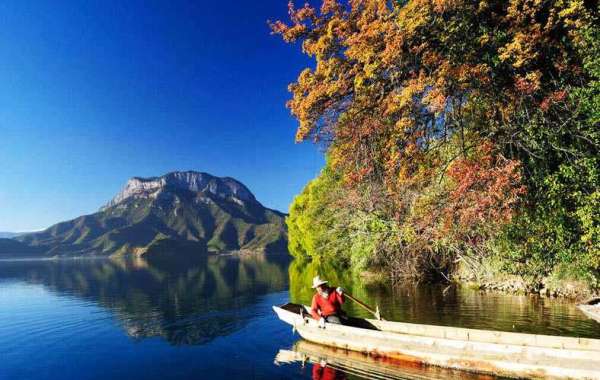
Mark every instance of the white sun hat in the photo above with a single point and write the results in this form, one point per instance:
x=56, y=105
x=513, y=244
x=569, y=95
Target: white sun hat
x=317, y=281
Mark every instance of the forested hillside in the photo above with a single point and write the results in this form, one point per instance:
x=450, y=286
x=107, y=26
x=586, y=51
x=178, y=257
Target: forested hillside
x=462, y=138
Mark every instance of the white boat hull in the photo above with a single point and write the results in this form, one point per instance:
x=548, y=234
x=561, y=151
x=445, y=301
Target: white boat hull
x=591, y=311
x=498, y=353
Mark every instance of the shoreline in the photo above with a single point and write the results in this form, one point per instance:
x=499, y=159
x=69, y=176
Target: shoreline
x=576, y=291
x=243, y=252
x=572, y=290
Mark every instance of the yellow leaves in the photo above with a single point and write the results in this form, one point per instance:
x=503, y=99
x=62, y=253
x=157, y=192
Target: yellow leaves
x=404, y=123
x=337, y=29
x=572, y=11
x=360, y=82
x=412, y=88
x=391, y=104
x=320, y=48
x=303, y=131
x=536, y=25
x=367, y=42
x=327, y=68
x=483, y=6
x=574, y=16
x=305, y=75
x=371, y=69
x=441, y=6
x=414, y=15
x=522, y=49
x=484, y=39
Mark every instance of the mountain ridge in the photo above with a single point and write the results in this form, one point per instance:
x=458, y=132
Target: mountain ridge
x=185, y=180
x=195, y=210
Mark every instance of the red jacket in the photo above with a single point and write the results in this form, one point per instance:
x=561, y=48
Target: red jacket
x=322, y=307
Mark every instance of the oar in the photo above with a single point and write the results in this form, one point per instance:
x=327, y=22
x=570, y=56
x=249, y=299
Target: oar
x=375, y=312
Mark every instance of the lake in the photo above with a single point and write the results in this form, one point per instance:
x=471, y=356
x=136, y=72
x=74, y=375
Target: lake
x=212, y=318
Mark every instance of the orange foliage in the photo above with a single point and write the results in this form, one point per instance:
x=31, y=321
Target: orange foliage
x=395, y=81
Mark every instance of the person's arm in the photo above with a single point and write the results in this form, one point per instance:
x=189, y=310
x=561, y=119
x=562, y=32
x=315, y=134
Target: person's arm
x=314, y=308
x=339, y=293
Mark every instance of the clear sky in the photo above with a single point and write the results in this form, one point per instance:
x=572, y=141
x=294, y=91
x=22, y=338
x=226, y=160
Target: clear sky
x=95, y=92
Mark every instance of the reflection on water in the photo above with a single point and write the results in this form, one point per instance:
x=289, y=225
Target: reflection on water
x=183, y=302
x=321, y=371
x=333, y=363
x=212, y=317
x=451, y=306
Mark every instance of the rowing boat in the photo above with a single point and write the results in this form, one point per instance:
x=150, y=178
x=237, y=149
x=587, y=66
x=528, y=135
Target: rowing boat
x=492, y=352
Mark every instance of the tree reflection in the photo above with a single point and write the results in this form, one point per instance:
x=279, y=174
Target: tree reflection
x=449, y=305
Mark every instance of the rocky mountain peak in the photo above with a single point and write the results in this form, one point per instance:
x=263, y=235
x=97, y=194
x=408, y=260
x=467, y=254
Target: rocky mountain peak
x=199, y=182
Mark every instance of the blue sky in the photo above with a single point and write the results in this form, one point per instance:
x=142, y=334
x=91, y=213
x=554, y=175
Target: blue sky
x=95, y=92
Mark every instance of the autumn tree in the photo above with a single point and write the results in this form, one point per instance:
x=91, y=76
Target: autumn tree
x=454, y=111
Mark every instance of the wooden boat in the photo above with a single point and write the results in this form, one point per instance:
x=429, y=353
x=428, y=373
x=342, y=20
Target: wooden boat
x=591, y=308
x=491, y=352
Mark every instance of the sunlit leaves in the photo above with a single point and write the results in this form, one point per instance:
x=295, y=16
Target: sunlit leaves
x=450, y=108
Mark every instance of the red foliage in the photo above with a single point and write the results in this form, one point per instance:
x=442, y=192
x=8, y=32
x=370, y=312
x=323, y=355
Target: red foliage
x=553, y=98
x=487, y=188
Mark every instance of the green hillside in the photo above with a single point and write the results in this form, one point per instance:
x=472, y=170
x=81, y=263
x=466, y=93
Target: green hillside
x=11, y=248
x=200, y=214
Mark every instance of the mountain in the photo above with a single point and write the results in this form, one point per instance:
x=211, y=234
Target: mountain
x=11, y=248
x=189, y=212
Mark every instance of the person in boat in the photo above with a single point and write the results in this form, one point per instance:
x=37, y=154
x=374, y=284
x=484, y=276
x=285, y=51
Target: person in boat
x=327, y=303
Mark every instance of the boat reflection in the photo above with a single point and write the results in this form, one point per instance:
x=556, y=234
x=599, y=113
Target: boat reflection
x=321, y=371
x=332, y=363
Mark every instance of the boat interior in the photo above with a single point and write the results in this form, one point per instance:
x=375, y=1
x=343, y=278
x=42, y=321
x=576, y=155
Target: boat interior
x=346, y=320
x=593, y=301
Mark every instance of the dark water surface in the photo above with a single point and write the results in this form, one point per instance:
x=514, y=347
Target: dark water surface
x=212, y=319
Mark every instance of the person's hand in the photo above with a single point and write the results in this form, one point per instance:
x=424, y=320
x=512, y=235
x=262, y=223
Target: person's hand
x=322, y=322
x=340, y=290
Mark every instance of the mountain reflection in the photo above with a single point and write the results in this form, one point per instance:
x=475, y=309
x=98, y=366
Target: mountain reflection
x=186, y=302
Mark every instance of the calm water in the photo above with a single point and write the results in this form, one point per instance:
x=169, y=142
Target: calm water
x=107, y=319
